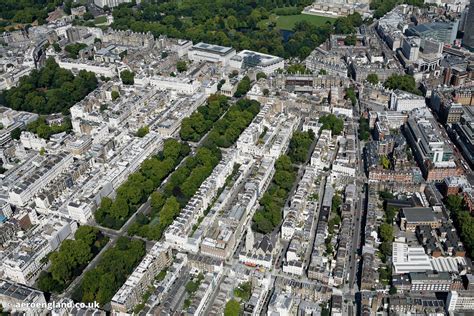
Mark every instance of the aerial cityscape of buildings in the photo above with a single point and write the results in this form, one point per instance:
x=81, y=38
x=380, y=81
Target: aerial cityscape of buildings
x=159, y=175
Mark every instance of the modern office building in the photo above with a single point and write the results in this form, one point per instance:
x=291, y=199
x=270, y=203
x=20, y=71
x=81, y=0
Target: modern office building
x=211, y=53
x=262, y=62
x=460, y=301
x=463, y=132
x=402, y=101
x=432, y=153
x=440, y=31
x=468, y=39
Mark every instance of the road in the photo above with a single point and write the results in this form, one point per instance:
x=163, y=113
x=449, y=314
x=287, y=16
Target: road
x=115, y=234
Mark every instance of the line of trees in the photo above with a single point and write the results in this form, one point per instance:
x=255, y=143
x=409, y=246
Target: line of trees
x=182, y=184
x=269, y=215
x=49, y=90
x=116, y=264
x=139, y=185
x=381, y=7
x=227, y=130
x=71, y=258
x=299, y=146
x=463, y=221
x=242, y=87
x=194, y=127
x=364, y=129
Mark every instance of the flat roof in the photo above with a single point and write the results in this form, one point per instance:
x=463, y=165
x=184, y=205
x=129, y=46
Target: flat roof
x=216, y=49
x=419, y=214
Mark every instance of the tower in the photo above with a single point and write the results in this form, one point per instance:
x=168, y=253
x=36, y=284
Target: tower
x=468, y=39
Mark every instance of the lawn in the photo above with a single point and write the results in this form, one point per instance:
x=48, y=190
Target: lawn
x=287, y=22
x=100, y=20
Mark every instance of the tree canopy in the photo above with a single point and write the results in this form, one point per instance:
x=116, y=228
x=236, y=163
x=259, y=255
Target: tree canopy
x=139, y=185
x=194, y=127
x=463, y=221
x=49, y=90
x=43, y=130
x=142, y=131
x=269, y=215
x=373, y=78
x=227, y=130
x=299, y=146
x=181, y=66
x=364, y=129
x=332, y=122
x=242, y=24
x=128, y=77
x=402, y=82
x=232, y=308
x=243, y=87
x=27, y=11
x=73, y=49
x=181, y=185
x=71, y=258
x=116, y=264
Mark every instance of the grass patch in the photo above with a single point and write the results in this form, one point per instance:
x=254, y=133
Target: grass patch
x=287, y=22
x=100, y=20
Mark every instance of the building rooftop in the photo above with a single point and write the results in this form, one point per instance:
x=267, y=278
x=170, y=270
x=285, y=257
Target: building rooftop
x=216, y=49
x=418, y=214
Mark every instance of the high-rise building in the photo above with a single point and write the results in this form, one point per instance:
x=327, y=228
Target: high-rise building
x=468, y=39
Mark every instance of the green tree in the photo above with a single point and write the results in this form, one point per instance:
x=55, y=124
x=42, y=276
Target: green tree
x=336, y=202
x=15, y=133
x=181, y=66
x=373, y=78
x=332, y=122
x=350, y=40
x=364, y=129
x=142, y=131
x=385, y=162
x=402, y=82
x=127, y=77
x=232, y=308
x=243, y=87
x=56, y=47
x=261, y=75
x=49, y=90
x=244, y=290
x=351, y=95
x=74, y=49
x=386, y=232
x=298, y=69
x=299, y=146
x=392, y=291
x=115, y=95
